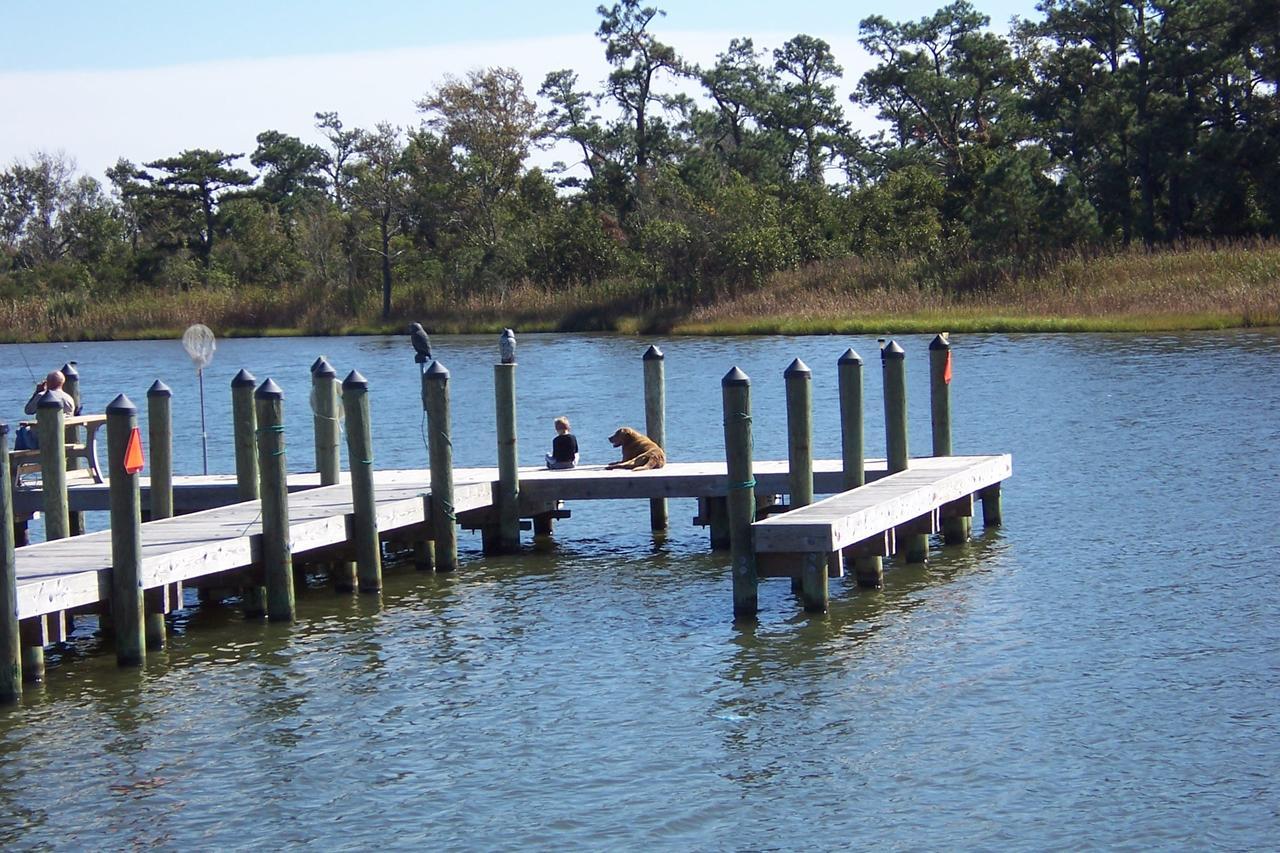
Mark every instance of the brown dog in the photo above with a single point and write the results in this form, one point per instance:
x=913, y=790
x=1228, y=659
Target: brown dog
x=638, y=451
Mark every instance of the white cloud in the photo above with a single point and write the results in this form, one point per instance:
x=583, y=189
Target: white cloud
x=97, y=117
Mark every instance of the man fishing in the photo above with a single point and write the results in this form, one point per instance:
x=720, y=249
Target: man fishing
x=53, y=384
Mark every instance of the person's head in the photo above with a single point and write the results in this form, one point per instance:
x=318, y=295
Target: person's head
x=562, y=424
x=54, y=380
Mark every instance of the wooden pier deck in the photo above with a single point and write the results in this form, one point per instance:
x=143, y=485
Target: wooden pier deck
x=74, y=573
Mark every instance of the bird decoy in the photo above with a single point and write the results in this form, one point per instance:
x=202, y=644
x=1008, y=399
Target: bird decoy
x=421, y=343
x=507, y=346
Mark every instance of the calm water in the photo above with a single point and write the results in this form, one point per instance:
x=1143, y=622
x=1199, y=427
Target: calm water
x=1101, y=672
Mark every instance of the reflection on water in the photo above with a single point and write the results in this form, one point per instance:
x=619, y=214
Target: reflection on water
x=1096, y=673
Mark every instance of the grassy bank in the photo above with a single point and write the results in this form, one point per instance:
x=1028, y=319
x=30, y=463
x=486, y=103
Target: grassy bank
x=1170, y=290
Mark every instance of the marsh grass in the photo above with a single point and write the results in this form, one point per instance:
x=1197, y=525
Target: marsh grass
x=1194, y=287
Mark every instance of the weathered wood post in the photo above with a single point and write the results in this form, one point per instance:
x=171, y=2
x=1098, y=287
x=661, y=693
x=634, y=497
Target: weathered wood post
x=507, y=499
x=10, y=639
x=277, y=558
x=324, y=410
x=893, y=361
x=160, y=439
x=655, y=421
x=955, y=529
x=127, y=605
x=735, y=390
x=992, y=515
x=364, y=521
x=435, y=396
x=244, y=422
x=798, y=379
x=868, y=570
x=71, y=385
x=53, y=467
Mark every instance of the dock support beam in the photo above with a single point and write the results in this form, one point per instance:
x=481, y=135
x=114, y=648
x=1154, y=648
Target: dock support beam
x=893, y=362
x=244, y=421
x=735, y=390
x=364, y=520
x=992, y=515
x=10, y=640
x=956, y=528
x=655, y=422
x=53, y=467
x=277, y=559
x=128, y=609
x=508, y=489
x=868, y=570
x=435, y=397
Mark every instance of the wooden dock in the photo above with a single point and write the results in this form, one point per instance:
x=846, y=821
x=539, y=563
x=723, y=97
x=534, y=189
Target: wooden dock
x=242, y=533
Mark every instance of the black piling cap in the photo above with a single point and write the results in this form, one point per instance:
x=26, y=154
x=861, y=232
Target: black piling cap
x=940, y=342
x=798, y=368
x=736, y=377
x=159, y=389
x=850, y=357
x=438, y=372
x=269, y=390
x=892, y=350
x=69, y=370
x=653, y=354
x=355, y=380
x=48, y=401
x=121, y=405
x=243, y=379
x=323, y=368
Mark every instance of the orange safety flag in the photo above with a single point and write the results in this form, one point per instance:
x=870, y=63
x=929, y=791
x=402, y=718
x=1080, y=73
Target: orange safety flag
x=133, y=452
x=946, y=371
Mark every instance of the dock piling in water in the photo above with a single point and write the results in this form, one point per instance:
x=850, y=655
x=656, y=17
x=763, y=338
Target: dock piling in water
x=244, y=422
x=10, y=640
x=435, y=395
x=735, y=390
x=71, y=385
x=868, y=569
x=655, y=422
x=53, y=466
x=327, y=430
x=355, y=401
x=893, y=362
x=127, y=604
x=955, y=528
x=507, y=539
x=160, y=438
x=277, y=558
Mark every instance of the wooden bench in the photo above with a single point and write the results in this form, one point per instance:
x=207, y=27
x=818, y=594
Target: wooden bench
x=28, y=461
x=815, y=538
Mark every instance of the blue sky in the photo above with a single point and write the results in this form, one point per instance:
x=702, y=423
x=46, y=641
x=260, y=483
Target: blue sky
x=143, y=79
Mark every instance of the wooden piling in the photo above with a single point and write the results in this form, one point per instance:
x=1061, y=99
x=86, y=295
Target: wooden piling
x=244, y=422
x=435, y=395
x=992, y=513
x=10, y=639
x=277, y=559
x=893, y=362
x=507, y=498
x=127, y=605
x=798, y=379
x=327, y=429
x=364, y=524
x=868, y=570
x=71, y=386
x=160, y=439
x=324, y=408
x=53, y=467
x=955, y=529
x=655, y=422
x=735, y=390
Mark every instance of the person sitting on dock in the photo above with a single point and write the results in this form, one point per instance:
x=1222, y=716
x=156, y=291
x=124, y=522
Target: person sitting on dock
x=52, y=384
x=564, y=447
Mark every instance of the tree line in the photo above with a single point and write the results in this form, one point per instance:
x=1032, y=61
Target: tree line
x=1100, y=123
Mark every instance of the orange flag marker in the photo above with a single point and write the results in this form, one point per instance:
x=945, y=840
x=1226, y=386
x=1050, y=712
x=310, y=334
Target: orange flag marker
x=133, y=452
x=946, y=371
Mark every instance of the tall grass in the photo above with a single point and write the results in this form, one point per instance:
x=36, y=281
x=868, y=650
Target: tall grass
x=1192, y=287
